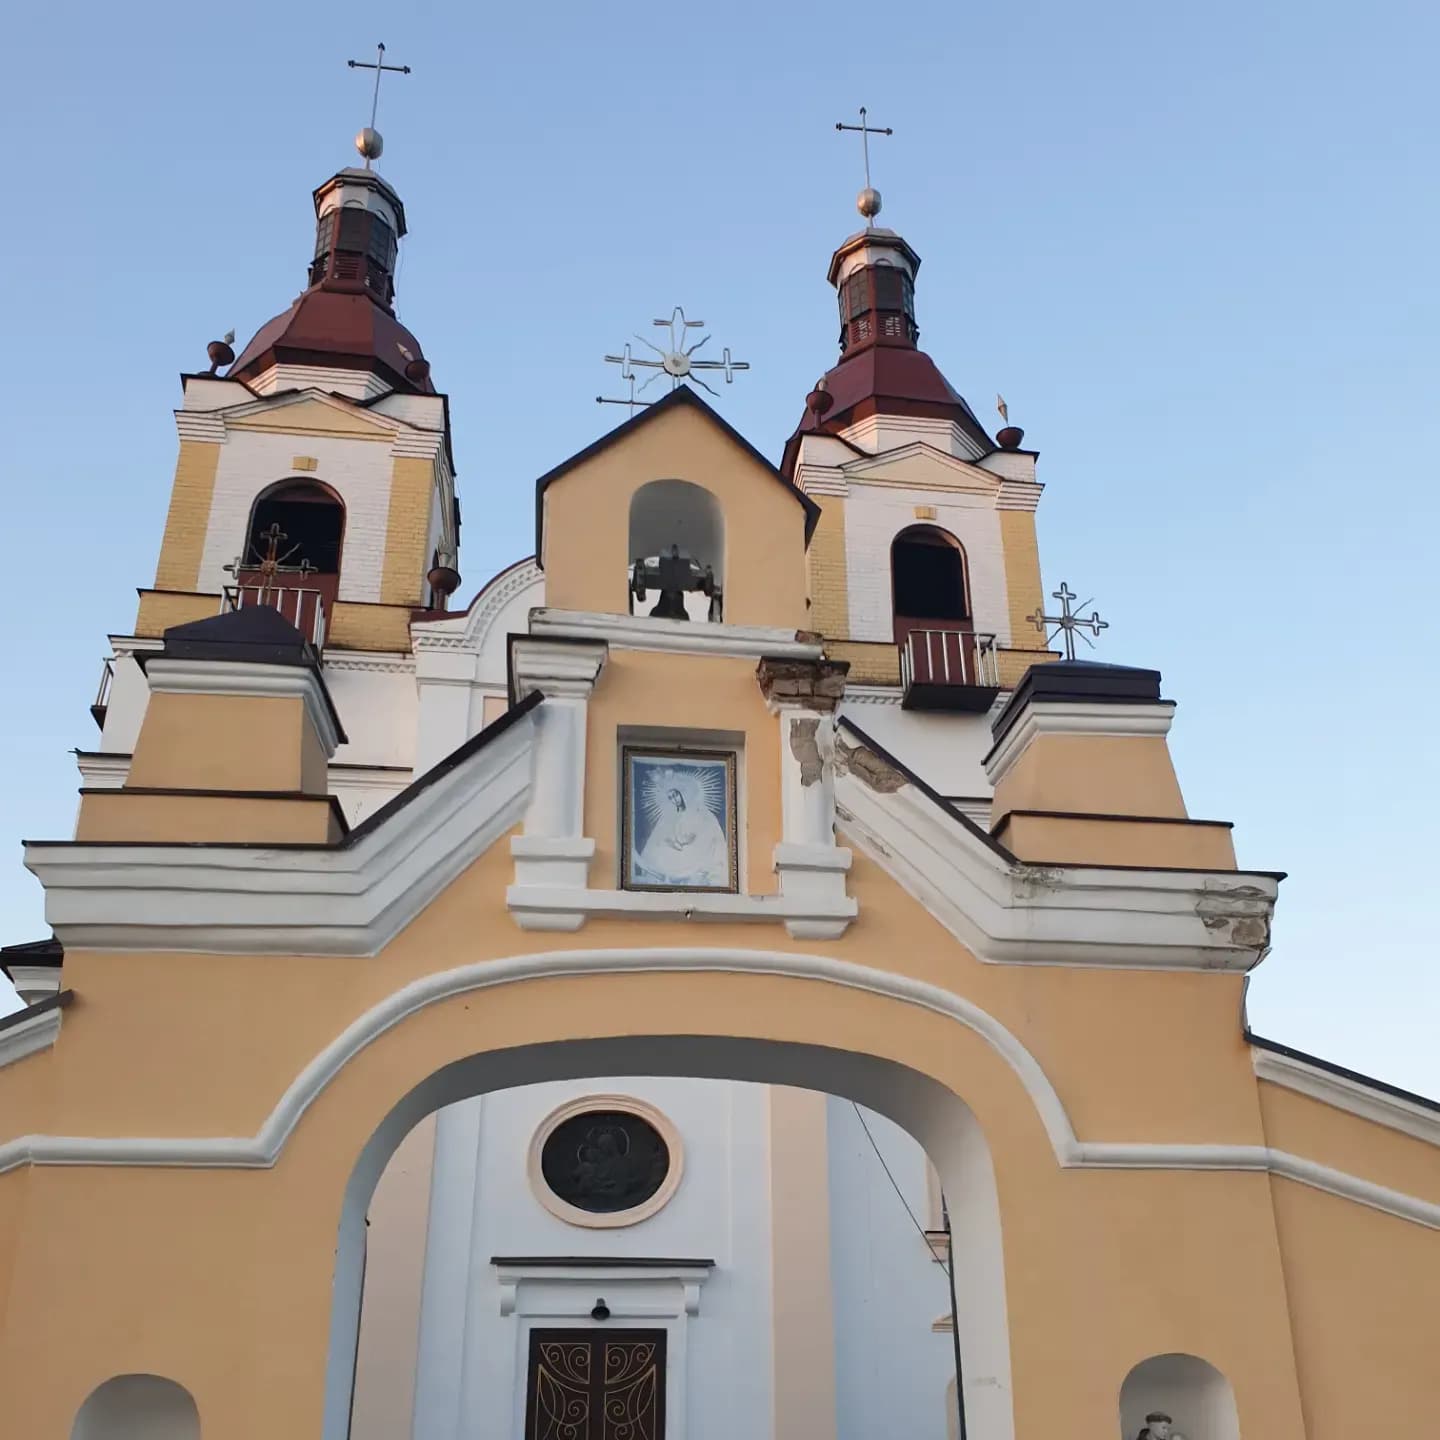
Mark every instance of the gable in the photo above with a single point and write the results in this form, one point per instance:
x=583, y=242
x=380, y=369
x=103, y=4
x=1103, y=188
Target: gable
x=584, y=514
x=313, y=414
x=923, y=467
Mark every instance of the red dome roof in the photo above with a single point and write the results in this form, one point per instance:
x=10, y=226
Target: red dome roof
x=339, y=328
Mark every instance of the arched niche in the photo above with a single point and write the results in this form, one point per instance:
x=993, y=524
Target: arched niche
x=929, y=583
x=311, y=519
x=675, y=520
x=938, y=1119
x=137, y=1407
x=1195, y=1395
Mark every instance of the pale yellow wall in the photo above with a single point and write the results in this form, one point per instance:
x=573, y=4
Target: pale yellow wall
x=1022, y=576
x=394, y=1273
x=224, y=742
x=1103, y=1267
x=803, y=1319
x=1092, y=775
x=121, y=816
x=1179, y=844
x=587, y=520
x=683, y=692
x=407, y=532
x=829, y=574
x=189, y=516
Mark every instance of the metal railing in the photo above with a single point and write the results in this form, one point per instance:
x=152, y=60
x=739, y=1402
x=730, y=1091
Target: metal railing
x=102, y=695
x=948, y=657
x=303, y=608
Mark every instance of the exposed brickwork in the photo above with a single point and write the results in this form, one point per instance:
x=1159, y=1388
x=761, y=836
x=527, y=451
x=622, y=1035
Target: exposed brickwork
x=871, y=662
x=829, y=585
x=1013, y=664
x=368, y=627
x=407, y=532
x=188, y=520
x=1022, y=573
x=160, y=609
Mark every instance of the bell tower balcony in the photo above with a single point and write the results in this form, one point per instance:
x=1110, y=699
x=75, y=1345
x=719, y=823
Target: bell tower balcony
x=949, y=668
x=302, y=606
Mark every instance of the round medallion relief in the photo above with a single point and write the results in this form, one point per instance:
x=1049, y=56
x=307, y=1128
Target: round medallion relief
x=605, y=1161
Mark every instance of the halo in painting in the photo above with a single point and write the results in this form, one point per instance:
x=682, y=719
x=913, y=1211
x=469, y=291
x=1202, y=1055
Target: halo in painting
x=678, y=820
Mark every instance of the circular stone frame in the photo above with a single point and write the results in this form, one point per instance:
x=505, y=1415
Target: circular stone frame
x=615, y=1219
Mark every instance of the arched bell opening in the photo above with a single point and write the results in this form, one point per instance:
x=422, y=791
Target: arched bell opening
x=894, y=1098
x=291, y=558
x=137, y=1407
x=1166, y=1397
x=928, y=581
x=676, y=553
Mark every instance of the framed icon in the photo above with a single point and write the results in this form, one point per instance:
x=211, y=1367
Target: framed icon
x=678, y=820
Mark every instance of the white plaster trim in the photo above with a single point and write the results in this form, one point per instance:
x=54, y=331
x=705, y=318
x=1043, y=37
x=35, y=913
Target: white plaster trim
x=1367, y=1103
x=1077, y=717
x=369, y=662
x=968, y=476
x=262, y=1150
x=1015, y=913
x=556, y=907
x=644, y=632
x=37, y=1033
x=321, y=900
x=872, y=695
x=557, y=669
x=103, y=771
x=1018, y=494
x=629, y=1279
x=231, y=677
x=614, y=1219
x=470, y=630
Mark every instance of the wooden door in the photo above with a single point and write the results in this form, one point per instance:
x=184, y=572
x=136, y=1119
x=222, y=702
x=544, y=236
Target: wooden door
x=595, y=1385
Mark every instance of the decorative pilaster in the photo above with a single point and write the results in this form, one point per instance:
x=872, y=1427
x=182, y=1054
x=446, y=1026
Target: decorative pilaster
x=810, y=866
x=554, y=852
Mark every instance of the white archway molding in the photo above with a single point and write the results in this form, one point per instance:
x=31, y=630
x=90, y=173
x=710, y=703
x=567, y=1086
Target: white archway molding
x=262, y=1149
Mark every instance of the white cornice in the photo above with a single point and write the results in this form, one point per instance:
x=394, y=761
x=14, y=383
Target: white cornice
x=1009, y=912
x=373, y=661
x=263, y=1149
x=1392, y=1111
x=1077, y=717
x=470, y=631
x=969, y=477
x=1018, y=495
x=643, y=632
x=633, y=1288
x=246, y=678
x=872, y=695
x=557, y=907
x=556, y=668
x=313, y=900
x=29, y=1036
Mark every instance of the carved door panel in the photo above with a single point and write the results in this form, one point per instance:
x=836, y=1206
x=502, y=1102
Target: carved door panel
x=595, y=1385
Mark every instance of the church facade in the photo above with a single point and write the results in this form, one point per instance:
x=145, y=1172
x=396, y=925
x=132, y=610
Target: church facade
x=731, y=977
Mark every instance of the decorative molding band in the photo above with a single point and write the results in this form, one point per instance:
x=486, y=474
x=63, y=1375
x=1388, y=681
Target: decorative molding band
x=558, y=670
x=470, y=630
x=367, y=662
x=1342, y=1093
x=263, y=1149
x=28, y=1037
x=821, y=480
x=1018, y=495
x=1076, y=717
x=559, y=907
x=635, y=1288
x=1008, y=912
x=872, y=695
x=247, y=678
x=642, y=632
x=207, y=426
x=349, y=899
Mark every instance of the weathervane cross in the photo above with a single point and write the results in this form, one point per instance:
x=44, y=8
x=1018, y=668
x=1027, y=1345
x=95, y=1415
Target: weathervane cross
x=1068, y=622
x=866, y=130
x=379, y=67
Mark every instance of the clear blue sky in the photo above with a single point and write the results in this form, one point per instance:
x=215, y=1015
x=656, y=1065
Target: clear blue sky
x=1194, y=245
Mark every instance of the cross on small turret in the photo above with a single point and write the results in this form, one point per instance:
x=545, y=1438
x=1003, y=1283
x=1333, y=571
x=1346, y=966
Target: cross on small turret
x=1067, y=622
x=868, y=201
x=368, y=141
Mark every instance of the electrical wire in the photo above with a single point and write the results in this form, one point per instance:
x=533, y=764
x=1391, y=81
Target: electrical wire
x=894, y=1186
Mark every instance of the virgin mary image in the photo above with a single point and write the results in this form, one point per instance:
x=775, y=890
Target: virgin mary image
x=685, y=844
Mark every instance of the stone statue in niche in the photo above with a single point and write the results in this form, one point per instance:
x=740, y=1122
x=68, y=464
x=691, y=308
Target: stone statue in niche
x=674, y=575
x=1159, y=1426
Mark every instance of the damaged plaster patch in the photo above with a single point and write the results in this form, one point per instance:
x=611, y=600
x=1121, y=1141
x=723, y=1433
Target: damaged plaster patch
x=805, y=747
x=879, y=775
x=1239, y=914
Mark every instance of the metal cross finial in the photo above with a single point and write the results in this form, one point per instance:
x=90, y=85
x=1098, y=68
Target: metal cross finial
x=868, y=202
x=626, y=373
x=1068, y=622
x=677, y=361
x=368, y=141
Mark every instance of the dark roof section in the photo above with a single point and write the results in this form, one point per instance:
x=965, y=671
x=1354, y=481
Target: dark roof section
x=58, y=1001
x=681, y=395
x=929, y=791
x=255, y=635
x=1078, y=680
x=1369, y=1081
x=32, y=952
x=339, y=328
x=886, y=380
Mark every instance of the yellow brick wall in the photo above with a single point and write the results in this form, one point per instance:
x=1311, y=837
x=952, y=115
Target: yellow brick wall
x=406, y=533
x=1022, y=575
x=189, y=516
x=1012, y=664
x=872, y=662
x=353, y=626
x=160, y=609
x=829, y=585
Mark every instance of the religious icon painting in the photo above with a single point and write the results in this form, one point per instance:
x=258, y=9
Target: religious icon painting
x=678, y=826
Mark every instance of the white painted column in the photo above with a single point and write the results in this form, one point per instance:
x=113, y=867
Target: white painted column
x=810, y=866
x=554, y=852
x=444, y=680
